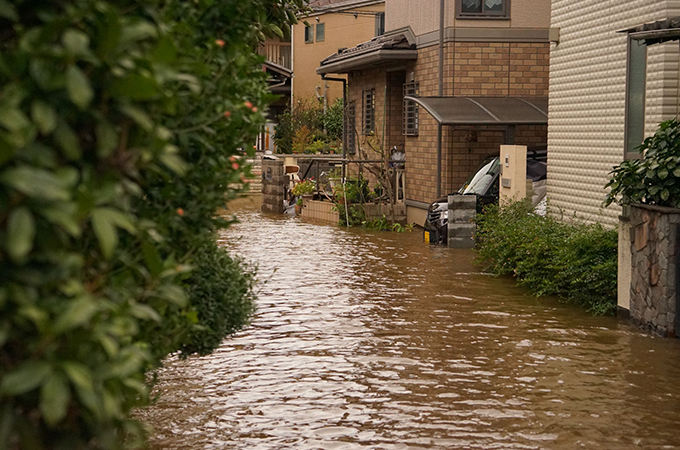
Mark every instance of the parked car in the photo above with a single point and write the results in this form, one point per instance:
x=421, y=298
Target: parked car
x=483, y=183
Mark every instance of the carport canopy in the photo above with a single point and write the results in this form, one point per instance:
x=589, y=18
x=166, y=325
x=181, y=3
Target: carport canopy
x=485, y=110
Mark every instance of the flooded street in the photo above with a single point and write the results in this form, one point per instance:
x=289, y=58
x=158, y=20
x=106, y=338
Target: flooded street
x=369, y=340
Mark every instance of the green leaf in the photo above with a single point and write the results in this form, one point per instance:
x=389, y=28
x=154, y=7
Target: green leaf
x=79, y=312
x=174, y=163
x=13, y=119
x=7, y=11
x=107, y=139
x=78, y=86
x=151, y=258
x=676, y=172
x=135, y=87
x=106, y=232
x=104, y=221
x=20, y=234
x=44, y=117
x=27, y=377
x=76, y=42
x=139, y=116
x=79, y=374
x=664, y=194
x=173, y=294
x=54, y=399
x=36, y=183
x=144, y=312
x=662, y=173
x=165, y=52
x=63, y=214
x=68, y=141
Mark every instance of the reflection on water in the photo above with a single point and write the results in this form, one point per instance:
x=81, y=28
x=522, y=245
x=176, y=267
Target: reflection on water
x=374, y=340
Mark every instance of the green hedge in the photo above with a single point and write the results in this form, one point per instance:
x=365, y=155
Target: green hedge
x=120, y=128
x=574, y=261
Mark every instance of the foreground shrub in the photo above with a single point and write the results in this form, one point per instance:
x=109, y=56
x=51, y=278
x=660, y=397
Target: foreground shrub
x=574, y=261
x=120, y=124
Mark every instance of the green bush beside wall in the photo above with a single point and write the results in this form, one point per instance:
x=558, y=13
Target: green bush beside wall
x=574, y=261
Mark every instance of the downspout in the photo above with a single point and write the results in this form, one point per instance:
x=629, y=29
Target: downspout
x=441, y=94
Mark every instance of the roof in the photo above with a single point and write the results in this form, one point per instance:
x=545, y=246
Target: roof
x=321, y=6
x=380, y=49
x=485, y=110
x=656, y=32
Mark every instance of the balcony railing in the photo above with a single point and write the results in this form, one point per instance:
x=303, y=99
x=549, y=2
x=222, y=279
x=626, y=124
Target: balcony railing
x=276, y=52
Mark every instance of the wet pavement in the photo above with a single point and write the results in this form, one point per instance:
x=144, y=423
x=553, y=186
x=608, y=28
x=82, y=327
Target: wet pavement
x=372, y=340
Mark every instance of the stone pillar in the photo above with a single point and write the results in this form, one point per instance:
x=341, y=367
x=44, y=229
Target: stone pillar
x=654, y=273
x=273, y=186
x=462, y=212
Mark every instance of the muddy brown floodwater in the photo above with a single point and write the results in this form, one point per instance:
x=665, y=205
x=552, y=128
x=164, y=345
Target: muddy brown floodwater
x=369, y=340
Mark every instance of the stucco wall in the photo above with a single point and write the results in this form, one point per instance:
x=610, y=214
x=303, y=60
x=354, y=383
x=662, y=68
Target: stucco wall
x=423, y=15
x=342, y=30
x=587, y=97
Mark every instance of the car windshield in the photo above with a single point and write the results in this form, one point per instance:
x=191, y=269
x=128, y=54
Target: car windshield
x=480, y=180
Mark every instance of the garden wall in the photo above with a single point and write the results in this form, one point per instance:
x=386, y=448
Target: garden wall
x=654, y=261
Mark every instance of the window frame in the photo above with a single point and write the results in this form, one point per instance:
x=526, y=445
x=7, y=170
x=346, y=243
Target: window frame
x=634, y=129
x=410, y=124
x=309, y=39
x=380, y=24
x=320, y=26
x=368, y=112
x=505, y=15
x=350, y=131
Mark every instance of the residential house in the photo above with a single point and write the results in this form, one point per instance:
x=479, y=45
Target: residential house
x=333, y=24
x=602, y=104
x=493, y=90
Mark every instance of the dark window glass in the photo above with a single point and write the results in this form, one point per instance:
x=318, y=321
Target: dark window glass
x=635, y=97
x=483, y=8
x=410, y=117
x=380, y=24
x=320, y=32
x=368, y=111
x=309, y=34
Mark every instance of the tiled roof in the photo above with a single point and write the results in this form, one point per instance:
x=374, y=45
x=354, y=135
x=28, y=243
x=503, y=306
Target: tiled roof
x=320, y=5
x=659, y=31
x=385, y=42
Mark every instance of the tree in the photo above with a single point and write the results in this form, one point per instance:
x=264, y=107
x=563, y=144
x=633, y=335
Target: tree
x=120, y=124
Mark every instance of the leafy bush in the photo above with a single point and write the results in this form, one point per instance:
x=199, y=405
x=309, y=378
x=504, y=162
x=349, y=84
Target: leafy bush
x=305, y=116
x=305, y=187
x=333, y=119
x=653, y=179
x=575, y=261
x=119, y=128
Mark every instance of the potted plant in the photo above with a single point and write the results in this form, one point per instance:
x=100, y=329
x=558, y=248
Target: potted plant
x=304, y=188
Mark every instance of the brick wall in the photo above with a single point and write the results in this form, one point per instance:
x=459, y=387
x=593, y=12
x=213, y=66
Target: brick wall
x=471, y=69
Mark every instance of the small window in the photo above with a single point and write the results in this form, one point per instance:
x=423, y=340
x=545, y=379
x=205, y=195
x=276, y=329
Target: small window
x=635, y=97
x=380, y=24
x=320, y=32
x=309, y=34
x=350, y=130
x=486, y=9
x=368, y=112
x=410, y=117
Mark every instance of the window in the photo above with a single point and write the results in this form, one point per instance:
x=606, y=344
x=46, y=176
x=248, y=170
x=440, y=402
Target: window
x=486, y=9
x=368, y=111
x=309, y=34
x=380, y=24
x=410, y=116
x=350, y=131
x=636, y=74
x=320, y=32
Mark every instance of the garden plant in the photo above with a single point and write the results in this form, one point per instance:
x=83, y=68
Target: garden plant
x=120, y=124
x=574, y=261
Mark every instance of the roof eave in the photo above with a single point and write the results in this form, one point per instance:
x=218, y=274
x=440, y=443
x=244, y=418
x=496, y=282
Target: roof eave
x=366, y=60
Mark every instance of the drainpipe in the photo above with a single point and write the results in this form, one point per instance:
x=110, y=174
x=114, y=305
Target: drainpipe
x=441, y=94
x=344, y=125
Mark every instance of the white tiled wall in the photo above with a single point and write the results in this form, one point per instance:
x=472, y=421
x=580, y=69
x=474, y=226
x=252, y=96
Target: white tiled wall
x=587, y=97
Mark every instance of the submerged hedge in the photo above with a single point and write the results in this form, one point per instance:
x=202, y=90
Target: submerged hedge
x=574, y=261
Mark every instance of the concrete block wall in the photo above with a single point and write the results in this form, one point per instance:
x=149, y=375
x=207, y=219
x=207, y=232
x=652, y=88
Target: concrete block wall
x=274, y=183
x=461, y=228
